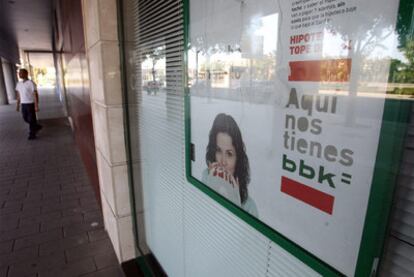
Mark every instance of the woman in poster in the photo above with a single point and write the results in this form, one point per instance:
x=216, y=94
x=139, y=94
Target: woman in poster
x=228, y=170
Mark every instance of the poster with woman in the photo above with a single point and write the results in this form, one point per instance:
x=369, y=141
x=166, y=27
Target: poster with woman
x=285, y=115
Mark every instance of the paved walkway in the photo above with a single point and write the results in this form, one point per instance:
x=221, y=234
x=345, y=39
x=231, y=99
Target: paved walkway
x=50, y=105
x=50, y=221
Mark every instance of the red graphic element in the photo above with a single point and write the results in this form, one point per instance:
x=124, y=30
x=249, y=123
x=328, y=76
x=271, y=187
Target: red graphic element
x=311, y=196
x=320, y=70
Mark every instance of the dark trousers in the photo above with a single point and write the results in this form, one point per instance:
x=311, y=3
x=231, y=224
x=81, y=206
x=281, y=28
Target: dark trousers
x=29, y=115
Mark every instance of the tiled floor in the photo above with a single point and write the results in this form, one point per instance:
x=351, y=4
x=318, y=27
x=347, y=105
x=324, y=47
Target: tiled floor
x=50, y=106
x=50, y=221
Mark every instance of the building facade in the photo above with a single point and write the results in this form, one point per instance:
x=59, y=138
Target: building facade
x=317, y=89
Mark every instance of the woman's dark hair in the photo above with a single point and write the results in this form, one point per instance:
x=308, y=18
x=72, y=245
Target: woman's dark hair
x=224, y=123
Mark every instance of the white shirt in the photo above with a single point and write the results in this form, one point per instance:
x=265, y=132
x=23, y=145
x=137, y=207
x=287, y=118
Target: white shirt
x=26, y=91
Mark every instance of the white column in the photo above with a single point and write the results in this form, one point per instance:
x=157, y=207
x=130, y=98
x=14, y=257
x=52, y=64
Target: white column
x=102, y=50
x=3, y=91
x=9, y=79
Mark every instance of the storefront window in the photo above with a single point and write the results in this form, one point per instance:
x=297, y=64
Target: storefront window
x=292, y=116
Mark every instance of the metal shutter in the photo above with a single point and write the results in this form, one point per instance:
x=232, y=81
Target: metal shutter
x=399, y=252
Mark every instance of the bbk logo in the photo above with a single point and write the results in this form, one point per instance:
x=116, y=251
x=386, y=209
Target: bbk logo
x=318, y=174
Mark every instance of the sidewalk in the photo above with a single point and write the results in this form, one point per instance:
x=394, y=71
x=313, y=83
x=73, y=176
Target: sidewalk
x=50, y=221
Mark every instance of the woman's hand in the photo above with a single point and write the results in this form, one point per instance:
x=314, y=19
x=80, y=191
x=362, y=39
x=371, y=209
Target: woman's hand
x=234, y=182
x=212, y=167
x=215, y=169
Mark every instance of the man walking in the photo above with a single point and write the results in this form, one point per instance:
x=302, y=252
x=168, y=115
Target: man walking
x=27, y=96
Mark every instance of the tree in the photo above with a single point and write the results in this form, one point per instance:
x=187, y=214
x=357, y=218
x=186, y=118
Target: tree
x=403, y=72
x=371, y=26
x=154, y=55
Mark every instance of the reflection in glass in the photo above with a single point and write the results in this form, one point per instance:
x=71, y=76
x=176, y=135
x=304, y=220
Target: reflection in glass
x=153, y=70
x=401, y=78
x=230, y=69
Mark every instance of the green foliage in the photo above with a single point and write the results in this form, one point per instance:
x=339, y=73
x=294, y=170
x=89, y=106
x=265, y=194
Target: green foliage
x=402, y=91
x=403, y=71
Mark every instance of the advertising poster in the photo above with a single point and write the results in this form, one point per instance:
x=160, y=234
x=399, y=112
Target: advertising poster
x=287, y=100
